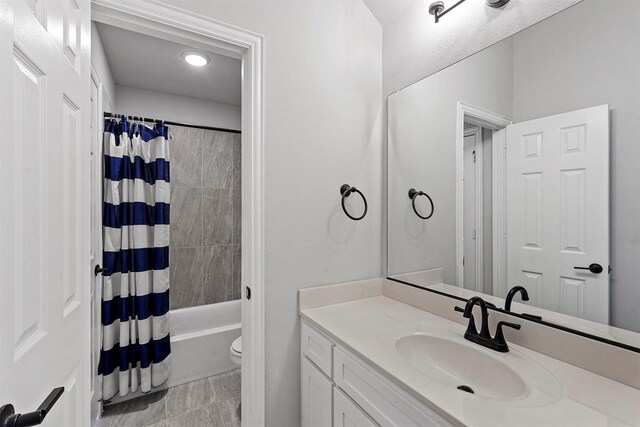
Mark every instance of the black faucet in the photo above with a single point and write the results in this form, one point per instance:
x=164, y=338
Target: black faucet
x=525, y=297
x=512, y=292
x=498, y=343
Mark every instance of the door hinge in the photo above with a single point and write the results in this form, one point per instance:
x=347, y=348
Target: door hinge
x=474, y=156
x=474, y=234
x=248, y=292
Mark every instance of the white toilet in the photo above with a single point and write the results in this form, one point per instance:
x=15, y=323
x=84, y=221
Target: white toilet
x=236, y=351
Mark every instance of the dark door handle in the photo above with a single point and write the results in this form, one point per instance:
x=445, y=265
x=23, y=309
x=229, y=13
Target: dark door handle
x=8, y=417
x=99, y=270
x=594, y=268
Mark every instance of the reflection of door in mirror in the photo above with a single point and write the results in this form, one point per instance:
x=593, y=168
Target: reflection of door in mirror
x=558, y=211
x=472, y=259
x=477, y=207
x=473, y=209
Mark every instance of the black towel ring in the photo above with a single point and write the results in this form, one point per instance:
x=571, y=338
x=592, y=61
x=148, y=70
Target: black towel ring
x=346, y=191
x=413, y=195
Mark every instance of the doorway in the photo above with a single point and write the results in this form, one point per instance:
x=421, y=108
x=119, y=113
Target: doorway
x=218, y=39
x=477, y=258
x=480, y=184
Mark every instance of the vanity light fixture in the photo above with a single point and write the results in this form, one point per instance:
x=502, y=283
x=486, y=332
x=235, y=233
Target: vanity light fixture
x=196, y=59
x=438, y=11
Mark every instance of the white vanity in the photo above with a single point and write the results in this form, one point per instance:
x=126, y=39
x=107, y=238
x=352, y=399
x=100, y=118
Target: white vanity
x=340, y=389
x=369, y=359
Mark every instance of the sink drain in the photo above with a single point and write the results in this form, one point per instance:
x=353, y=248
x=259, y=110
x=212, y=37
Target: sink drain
x=465, y=388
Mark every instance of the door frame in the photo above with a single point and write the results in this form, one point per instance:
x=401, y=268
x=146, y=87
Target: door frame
x=172, y=23
x=495, y=122
x=96, y=257
x=476, y=132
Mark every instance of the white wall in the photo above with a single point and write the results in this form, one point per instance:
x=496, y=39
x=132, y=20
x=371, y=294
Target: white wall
x=323, y=96
x=158, y=105
x=415, y=47
x=101, y=67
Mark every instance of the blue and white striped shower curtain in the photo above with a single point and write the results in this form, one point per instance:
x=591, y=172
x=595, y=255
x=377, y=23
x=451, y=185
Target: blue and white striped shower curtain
x=135, y=298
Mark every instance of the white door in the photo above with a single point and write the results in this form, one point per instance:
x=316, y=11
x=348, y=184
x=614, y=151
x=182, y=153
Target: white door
x=558, y=211
x=44, y=206
x=95, y=247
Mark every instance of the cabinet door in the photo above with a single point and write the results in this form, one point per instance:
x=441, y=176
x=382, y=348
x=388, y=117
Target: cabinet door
x=316, y=396
x=348, y=414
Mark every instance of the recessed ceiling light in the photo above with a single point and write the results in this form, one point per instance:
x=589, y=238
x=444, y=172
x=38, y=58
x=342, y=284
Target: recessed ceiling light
x=195, y=59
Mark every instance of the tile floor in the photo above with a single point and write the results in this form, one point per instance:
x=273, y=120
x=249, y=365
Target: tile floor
x=212, y=401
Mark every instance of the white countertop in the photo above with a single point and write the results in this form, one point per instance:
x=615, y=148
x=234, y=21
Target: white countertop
x=370, y=328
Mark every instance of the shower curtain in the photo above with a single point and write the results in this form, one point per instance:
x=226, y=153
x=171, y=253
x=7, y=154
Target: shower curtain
x=135, y=297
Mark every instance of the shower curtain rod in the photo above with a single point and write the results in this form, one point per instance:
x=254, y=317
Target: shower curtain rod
x=167, y=122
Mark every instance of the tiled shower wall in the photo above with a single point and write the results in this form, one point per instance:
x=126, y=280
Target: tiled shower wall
x=205, y=216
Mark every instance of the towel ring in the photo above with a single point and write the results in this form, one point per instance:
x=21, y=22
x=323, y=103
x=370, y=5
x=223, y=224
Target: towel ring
x=346, y=191
x=413, y=195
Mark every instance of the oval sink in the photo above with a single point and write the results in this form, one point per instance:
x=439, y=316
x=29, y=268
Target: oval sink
x=461, y=366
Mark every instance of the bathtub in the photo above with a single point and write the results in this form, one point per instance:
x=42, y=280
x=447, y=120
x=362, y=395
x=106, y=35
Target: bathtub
x=200, y=341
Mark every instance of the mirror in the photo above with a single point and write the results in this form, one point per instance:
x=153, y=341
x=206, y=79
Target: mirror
x=524, y=158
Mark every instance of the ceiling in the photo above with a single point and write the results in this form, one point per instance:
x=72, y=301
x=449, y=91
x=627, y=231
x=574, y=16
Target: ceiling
x=146, y=62
x=386, y=11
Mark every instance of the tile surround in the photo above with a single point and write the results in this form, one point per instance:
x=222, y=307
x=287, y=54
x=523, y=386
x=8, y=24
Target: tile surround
x=186, y=277
x=218, y=216
x=186, y=156
x=217, y=274
x=186, y=217
x=218, y=155
x=237, y=161
x=205, y=216
x=236, y=208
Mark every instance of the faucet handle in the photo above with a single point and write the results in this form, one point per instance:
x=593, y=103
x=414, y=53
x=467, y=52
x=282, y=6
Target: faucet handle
x=471, y=327
x=499, y=338
x=509, y=325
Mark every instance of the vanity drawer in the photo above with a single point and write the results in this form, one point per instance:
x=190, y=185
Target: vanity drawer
x=317, y=348
x=384, y=401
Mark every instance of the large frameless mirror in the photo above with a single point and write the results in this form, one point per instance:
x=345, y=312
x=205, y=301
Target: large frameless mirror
x=518, y=166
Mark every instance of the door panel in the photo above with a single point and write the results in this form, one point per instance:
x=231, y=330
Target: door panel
x=558, y=211
x=348, y=414
x=44, y=288
x=316, y=396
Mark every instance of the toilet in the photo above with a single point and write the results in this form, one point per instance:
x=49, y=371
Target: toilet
x=235, y=352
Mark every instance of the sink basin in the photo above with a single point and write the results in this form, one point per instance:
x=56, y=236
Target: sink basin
x=469, y=367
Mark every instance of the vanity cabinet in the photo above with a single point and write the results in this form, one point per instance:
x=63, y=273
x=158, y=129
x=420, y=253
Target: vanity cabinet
x=348, y=414
x=340, y=390
x=317, y=395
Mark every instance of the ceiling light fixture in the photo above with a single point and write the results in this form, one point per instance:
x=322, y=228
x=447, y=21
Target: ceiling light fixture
x=196, y=59
x=437, y=7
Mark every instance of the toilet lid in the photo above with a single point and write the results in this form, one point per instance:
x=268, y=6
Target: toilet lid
x=236, y=345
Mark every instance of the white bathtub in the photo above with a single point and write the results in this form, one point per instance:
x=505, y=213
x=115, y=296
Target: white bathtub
x=200, y=341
